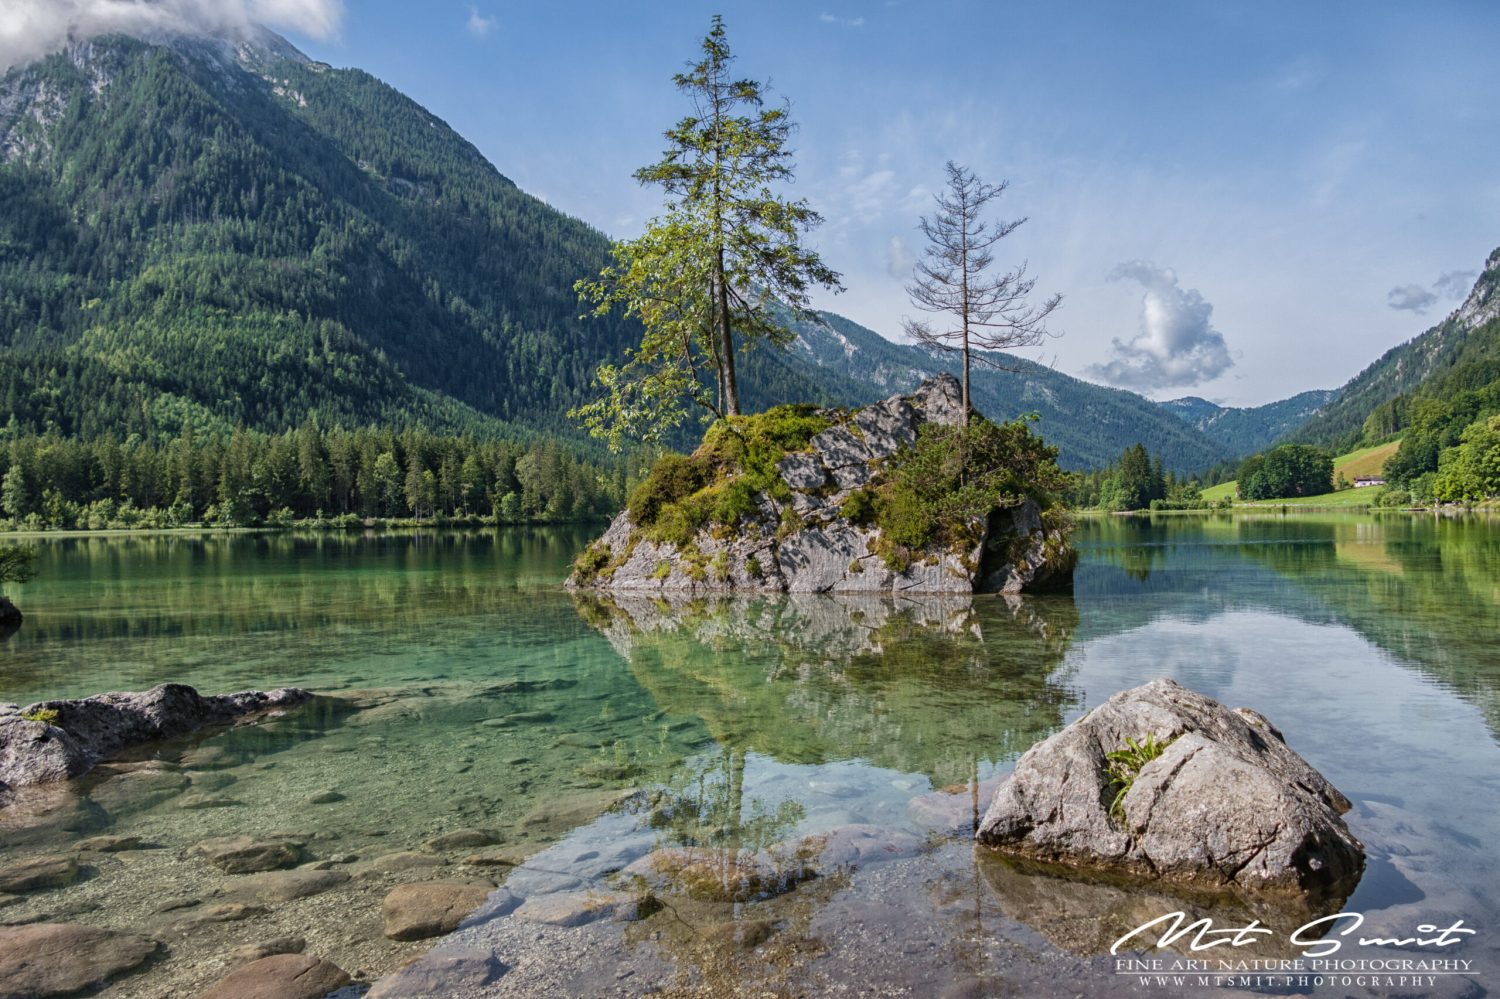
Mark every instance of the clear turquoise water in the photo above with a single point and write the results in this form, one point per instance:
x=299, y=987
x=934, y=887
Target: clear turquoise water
x=1374, y=644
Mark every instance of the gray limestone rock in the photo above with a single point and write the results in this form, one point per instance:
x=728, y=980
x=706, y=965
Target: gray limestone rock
x=86, y=732
x=1227, y=804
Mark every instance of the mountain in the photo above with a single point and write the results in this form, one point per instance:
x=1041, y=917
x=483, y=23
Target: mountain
x=202, y=235
x=1460, y=353
x=1244, y=431
x=1090, y=424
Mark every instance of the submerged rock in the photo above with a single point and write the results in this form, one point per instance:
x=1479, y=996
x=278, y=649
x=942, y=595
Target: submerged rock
x=282, y=976
x=10, y=615
x=248, y=855
x=1227, y=804
x=36, y=873
x=810, y=531
x=60, y=959
x=440, y=973
x=415, y=912
x=80, y=734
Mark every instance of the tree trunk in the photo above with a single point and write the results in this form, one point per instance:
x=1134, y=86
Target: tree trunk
x=966, y=376
x=731, y=400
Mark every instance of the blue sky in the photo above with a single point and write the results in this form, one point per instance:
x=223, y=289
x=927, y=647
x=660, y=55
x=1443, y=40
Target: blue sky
x=1233, y=198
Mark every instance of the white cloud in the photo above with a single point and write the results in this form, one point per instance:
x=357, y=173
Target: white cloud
x=848, y=22
x=478, y=24
x=1177, y=344
x=1410, y=298
x=30, y=29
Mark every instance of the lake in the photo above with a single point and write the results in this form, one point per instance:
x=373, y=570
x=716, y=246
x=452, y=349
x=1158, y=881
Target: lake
x=567, y=737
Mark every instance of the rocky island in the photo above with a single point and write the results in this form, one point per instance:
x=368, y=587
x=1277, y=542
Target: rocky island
x=901, y=496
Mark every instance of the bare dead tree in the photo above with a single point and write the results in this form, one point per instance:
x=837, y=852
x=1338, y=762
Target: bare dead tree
x=985, y=312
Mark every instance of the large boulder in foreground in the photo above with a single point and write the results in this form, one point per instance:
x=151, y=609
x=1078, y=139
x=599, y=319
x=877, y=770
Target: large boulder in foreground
x=793, y=500
x=58, y=740
x=1227, y=804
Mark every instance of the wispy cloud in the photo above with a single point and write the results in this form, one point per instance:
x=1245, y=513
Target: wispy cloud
x=1410, y=298
x=847, y=22
x=29, y=29
x=1177, y=344
x=479, y=25
x=1452, y=285
x=1455, y=284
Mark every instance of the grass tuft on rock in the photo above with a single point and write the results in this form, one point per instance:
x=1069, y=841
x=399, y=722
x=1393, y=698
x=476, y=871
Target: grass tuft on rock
x=716, y=485
x=1125, y=766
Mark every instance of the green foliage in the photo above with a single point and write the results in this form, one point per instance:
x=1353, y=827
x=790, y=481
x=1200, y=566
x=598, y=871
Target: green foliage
x=47, y=716
x=1125, y=766
x=718, y=482
x=723, y=261
x=1286, y=471
x=939, y=490
x=591, y=562
x=249, y=479
x=1470, y=471
x=859, y=507
x=17, y=563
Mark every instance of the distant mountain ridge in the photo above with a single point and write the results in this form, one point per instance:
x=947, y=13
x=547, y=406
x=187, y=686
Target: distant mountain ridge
x=1244, y=431
x=1090, y=424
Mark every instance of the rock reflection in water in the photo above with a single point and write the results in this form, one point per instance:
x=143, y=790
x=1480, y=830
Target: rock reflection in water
x=921, y=685
x=1086, y=913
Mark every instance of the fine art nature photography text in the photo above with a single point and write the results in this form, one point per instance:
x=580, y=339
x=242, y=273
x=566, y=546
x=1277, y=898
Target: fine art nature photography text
x=754, y=500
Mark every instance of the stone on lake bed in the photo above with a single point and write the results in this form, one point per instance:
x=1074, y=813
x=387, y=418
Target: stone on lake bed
x=566, y=812
x=578, y=908
x=37, y=873
x=281, y=976
x=415, y=912
x=227, y=912
x=711, y=874
x=325, y=798
x=1227, y=804
x=247, y=854
x=506, y=856
x=406, y=860
x=40, y=960
x=283, y=886
x=440, y=973
x=108, y=844
x=245, y=953
x=461, y=839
